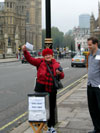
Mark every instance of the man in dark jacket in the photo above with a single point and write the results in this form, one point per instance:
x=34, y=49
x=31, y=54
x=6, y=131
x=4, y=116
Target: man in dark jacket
x=44, y=81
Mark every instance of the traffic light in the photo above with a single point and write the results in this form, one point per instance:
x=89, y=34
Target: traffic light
x=79, y=46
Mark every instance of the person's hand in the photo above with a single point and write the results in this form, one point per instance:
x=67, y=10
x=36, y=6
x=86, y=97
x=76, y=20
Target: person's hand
x=24, y=47
x=58, y=72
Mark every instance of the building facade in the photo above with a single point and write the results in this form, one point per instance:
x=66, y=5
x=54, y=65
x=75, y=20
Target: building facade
x=95, y=24
x=20, y=21
x=81, y=35
x=33, y=23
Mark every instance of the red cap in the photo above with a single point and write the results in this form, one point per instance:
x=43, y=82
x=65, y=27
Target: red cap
x=47, y=51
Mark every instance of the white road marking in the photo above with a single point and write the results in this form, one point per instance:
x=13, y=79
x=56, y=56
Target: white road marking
x=66, y=68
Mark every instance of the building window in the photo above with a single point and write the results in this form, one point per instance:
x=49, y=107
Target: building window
x=10, y=20
x=7, y=4
x=27, y=17
x=9, y=41
x=22, y=8
x=11, y=5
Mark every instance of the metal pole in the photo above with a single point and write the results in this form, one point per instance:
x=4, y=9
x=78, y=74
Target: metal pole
x=48, y=19
x=48, y=40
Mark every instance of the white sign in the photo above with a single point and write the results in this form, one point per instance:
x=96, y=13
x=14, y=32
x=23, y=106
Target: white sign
x=38, y=107
x=29, y=46
x=97, y=57
x=36, y=103
x=37, y=115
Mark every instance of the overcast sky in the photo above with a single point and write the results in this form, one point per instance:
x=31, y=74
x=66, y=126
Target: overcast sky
x=65, y=13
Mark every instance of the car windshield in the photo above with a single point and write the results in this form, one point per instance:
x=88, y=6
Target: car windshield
x=79, y=57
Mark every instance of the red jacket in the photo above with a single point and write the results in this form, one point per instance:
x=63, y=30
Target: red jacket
x=41, y=67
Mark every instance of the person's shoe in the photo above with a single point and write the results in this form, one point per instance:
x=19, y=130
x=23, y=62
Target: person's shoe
x=53, y=130
x=49, y=130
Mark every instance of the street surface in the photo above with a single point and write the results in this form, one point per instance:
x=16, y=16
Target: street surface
x=17, y=80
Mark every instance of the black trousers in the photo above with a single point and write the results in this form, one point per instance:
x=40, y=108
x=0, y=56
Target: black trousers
x=93, y=95
x=53, y=109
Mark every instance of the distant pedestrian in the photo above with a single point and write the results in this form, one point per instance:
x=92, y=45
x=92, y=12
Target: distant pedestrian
x=44, y=82
x=93, y=85
x=39, y=53
x=3, y=55
x=60, y=55
x=19, y=55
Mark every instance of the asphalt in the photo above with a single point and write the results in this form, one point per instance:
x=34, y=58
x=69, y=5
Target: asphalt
x=73, y=115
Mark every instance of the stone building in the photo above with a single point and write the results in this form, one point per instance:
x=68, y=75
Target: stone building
x=33, y=23
x=81, y=35
x=20, y=21
x=95, y=24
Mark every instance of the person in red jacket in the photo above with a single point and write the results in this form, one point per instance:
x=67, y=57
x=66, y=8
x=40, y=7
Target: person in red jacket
x=44, y=82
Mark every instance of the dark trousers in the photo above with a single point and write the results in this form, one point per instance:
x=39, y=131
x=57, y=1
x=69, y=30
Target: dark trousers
x=93, y=95
x=53, y=109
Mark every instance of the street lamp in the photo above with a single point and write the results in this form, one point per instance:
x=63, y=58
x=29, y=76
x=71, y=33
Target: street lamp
x=48, y=39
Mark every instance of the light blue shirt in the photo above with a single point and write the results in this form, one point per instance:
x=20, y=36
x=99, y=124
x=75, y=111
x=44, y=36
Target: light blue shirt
x=94, y=69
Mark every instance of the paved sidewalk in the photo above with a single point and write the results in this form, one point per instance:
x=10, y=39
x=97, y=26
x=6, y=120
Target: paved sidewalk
x=73, y=115
x=9, y=60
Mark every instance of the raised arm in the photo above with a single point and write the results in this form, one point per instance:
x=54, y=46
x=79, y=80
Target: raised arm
x=29, y=58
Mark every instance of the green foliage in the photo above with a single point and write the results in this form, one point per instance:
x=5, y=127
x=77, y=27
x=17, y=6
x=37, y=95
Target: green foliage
x=59, y=39
x=69, y=41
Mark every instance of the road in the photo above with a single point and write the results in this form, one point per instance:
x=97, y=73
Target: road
x=17, y=80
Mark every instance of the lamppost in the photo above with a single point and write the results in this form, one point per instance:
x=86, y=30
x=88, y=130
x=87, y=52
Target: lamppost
x=48, y=39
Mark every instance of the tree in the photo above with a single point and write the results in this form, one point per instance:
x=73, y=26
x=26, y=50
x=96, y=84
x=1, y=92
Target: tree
x=57, y=36
x=59, y=39
x=69, y=41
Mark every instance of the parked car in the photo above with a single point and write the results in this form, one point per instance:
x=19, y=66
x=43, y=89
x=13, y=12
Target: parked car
x=78, y=60
x=23, y=60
